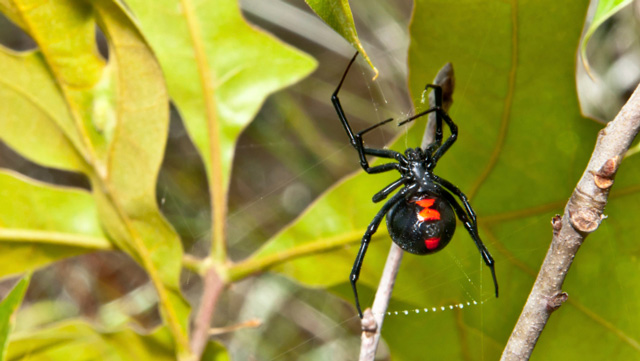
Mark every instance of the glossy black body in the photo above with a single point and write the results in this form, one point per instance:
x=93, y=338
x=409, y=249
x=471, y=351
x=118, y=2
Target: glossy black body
x=417, y=182
x=410, y=232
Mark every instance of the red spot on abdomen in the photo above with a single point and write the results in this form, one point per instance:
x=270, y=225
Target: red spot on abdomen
x=427, y=214
x=432, y=243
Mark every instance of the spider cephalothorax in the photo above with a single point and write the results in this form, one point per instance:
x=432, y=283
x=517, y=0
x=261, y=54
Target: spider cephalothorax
x=421, y=216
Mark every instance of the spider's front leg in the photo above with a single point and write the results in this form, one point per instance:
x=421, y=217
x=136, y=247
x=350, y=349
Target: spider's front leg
x=441, y=114
x=366, y=238
x=356, y=138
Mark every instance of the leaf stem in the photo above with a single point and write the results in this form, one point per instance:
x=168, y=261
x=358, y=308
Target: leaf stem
x=213, y=286
x=582, y=215
x=254, y=265
x=215, y=176
x=58, y=238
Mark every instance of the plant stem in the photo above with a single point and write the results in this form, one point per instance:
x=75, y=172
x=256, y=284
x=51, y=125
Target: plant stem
x=253, y=265
x=582, y=215
x=212, y=289
x=373, y=318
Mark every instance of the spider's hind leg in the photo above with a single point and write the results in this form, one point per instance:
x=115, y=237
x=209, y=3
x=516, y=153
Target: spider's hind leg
x=472, y=227
x=366, y=238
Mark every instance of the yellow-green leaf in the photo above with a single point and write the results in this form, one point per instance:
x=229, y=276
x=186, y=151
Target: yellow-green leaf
x=219, y=70
x=78, y=341
x=337, y=14
x=8, y=308
x=135, y=154
x=605, y=10
x=37, y=123
x=40, y=224
x=119, y=116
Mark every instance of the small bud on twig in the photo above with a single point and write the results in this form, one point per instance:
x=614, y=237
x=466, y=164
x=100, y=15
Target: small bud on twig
x=603, y=178
x=556, y=301
x=585, y=220
x=556, y=223
x=368, y=323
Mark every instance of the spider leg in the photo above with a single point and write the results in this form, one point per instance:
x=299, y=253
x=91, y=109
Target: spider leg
x=452, y=126
x=366, y=238
x=356, y=138
x=472, y=228
x=452, y=138
x=455, y=190
x=385, y=168
x=387, y=190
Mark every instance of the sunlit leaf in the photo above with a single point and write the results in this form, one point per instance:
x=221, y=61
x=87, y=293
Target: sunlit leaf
x=215, y=352
x=8, y=308
x=38, y=123
x=119, y=116
x=337, y=14
x=218, y=69
x=604, y=10
x=40, y=224
x=78, y=341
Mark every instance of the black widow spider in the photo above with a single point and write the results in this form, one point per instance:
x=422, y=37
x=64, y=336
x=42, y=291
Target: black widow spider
x=420, y=217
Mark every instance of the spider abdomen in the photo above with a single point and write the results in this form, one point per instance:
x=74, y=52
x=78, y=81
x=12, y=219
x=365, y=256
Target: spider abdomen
x=421, y=224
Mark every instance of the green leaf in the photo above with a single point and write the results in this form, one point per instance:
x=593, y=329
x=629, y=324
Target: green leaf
x=337, y=14
x=128, y=204
x=38, y=123
x=119, y=116
x=40, y=224
x=215, y=352
x=605, y=10
x=8, y=308
x=523, y=145
x=65, y=33
x=219, y=70
x=78, y=341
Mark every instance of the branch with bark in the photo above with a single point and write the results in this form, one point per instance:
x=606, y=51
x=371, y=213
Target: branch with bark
x=582, y=215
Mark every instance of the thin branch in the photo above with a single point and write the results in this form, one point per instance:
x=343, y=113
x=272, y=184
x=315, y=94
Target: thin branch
x=212, y=288
x=252, y=323
x=373, y=319
x=582, y=215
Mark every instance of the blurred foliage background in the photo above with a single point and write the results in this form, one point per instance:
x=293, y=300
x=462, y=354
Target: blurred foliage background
x=292, y=152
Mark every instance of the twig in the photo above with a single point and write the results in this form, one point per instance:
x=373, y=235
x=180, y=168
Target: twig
x=582, y=215
x=252, y=323
x=212, y=288
x=373, y=318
